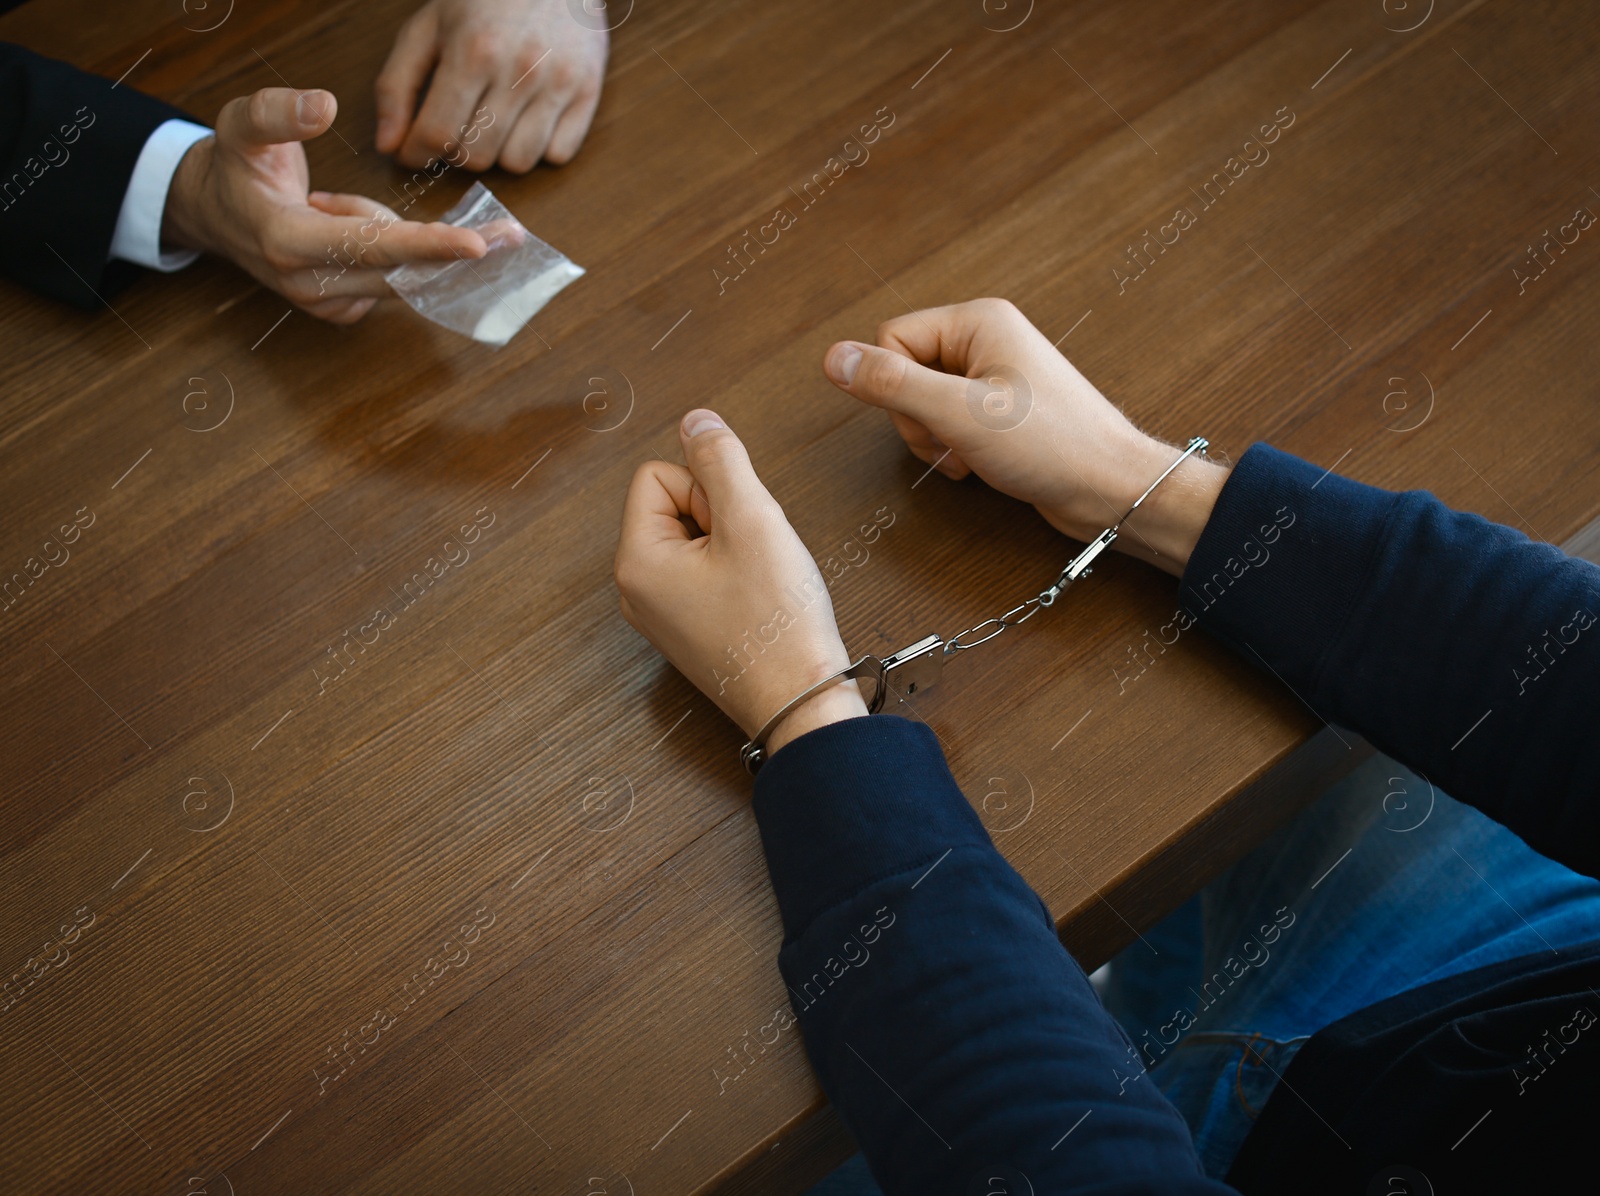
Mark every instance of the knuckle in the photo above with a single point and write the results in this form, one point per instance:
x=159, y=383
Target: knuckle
x=432, y=133
x=718, y=449
x=516, y=160
x=882, y=373
x=563, y=75
x=259, y=109
x=999, y=309
x=235, y=112
x=277, y=258
x=526, y=58
x=627, y=574
x=482, y=47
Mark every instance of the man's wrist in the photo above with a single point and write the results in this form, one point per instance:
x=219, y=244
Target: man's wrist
x=1167, y=525
x=182, y=221
x=833, y=705
x=137, y=235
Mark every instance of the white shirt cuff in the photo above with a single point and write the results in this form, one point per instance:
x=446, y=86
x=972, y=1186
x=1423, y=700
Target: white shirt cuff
x=138, y=235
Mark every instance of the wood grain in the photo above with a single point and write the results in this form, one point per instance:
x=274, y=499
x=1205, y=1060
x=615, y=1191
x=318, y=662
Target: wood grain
x=509, y=750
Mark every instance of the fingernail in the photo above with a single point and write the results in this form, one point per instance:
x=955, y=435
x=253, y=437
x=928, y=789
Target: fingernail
x=842, y=365
x=308, y=108
x=700, y=421
x=511, y=236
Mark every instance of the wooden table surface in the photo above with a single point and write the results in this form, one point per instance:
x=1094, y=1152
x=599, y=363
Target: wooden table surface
x=482, y=906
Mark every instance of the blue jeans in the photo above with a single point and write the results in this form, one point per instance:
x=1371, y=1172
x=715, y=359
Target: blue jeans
x=1382, y=885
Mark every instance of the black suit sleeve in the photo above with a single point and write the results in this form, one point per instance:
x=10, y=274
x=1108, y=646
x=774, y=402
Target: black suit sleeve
x=69, y=141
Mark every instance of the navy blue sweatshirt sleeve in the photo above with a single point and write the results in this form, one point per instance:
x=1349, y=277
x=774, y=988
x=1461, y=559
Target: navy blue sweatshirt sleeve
x=69, y=142
x=1457, y=646
x=958, y=1041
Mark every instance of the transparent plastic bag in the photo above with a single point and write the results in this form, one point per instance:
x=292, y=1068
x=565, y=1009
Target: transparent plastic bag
x=492, y=298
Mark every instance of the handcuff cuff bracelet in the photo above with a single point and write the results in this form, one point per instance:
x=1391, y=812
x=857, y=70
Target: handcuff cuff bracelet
x=919, y=665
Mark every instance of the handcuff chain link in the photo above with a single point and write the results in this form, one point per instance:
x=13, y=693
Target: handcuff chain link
x=1076, y=568
x=1009, y=619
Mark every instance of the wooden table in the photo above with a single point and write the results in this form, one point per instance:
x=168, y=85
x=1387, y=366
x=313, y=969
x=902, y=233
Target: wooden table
x=482, y=907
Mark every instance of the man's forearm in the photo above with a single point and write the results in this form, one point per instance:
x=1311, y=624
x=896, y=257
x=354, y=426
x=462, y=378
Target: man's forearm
x=945, y=1020
x=1456, y=645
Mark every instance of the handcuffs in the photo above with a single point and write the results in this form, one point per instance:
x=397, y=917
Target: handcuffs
x=918, y=666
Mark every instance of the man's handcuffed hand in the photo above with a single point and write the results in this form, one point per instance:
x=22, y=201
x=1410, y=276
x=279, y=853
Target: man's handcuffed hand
x=976, y=388
x=711, y=573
